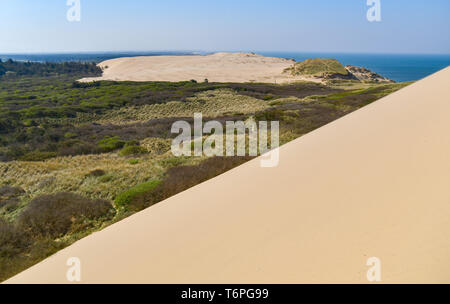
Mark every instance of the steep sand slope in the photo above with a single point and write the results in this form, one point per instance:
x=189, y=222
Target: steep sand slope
x=375, y=183
x=219, y=67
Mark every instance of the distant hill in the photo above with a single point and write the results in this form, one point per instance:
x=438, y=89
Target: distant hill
x=332, y=69
x=317, y=67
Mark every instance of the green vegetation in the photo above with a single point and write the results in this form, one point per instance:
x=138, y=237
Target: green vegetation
x=132, y=150
x=124, y=199
x=56, y=215
x=68, y=120
x=177, y=179
x=318, y=67
x=13, y=69
x=37, y=156
x=41, y=228
x=111, y=143
x=76, y=157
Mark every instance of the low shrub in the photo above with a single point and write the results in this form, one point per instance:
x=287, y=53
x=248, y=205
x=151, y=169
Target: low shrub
x=10, y=205
x=184, y=177
x=77, y=147
x=37, y=156
x=96, y=173
x=9, y=197
x=106, y=178
x=133, y=150
x=18, y=251
x=111, y=143
x=173, y=161
x=125, y=199
x=70, y=135
x=12, y=239
x=57, y=214
x=131, y=143
x=8, y=192
x=270, y=115
x=181, y=178
x=268, y=97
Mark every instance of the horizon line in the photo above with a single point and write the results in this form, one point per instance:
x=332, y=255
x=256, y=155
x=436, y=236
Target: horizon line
x=215, y=51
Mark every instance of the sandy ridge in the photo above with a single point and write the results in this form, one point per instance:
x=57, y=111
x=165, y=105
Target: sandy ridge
x=219, y=67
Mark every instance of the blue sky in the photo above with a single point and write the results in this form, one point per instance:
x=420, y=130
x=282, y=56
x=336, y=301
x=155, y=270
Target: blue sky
x=407, y=26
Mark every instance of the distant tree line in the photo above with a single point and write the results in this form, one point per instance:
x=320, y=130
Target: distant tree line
x=16, y=68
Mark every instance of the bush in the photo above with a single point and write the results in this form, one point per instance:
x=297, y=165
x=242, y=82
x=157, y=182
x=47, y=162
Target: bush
x=172, y=161
x=77, y=147
x=184, y=177
x=106, y=178
x=97, y=173
x=12, y=240
x=37, y=156
x=111, y=143
x=270, y=115
x=57, y=214
x=19, y=251
x=7, y=192
x=9, y=197
x=132, y=143
x=132, y=150
x=10, y=205
x=70, y=135
x=125, y=199
x=268, y=97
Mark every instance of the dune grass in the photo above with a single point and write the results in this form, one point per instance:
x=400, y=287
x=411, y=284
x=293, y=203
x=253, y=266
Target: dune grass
x=211, y=103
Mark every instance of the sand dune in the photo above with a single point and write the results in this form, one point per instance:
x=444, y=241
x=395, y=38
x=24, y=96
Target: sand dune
x=219, y=67
x=372, y=184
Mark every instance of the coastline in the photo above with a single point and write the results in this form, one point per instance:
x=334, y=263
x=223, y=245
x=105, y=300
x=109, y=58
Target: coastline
x=398, y=67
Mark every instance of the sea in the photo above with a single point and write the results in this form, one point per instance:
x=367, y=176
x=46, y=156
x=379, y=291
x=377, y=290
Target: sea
x=398, y=67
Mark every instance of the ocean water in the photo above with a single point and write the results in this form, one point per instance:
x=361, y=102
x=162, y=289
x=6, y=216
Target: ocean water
x=394, y=66
x=84, y=57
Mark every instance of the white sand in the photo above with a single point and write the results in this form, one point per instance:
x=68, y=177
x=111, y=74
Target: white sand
x=375, y=183
x=219, y=67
